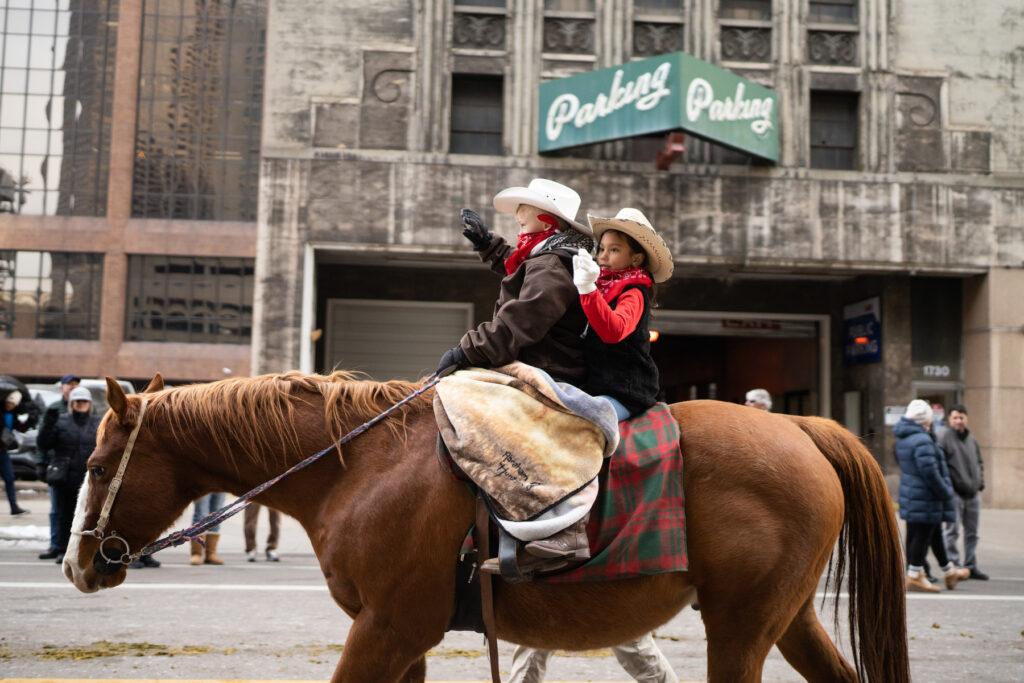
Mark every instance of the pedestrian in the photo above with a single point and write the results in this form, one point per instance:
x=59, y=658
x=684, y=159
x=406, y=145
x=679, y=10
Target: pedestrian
x=760, y=399
x=640, y=658
x=252, y=514
x=72, y=438
x=963, y=455
x=926, y=497
x=53, y=411
x=19, y=413
x=204, y=550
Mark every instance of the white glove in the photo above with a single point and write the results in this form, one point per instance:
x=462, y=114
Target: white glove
x=584, y=272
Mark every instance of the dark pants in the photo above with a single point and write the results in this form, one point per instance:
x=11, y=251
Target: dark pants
x=920, y=537
x=66, y=496
x=251, y=514
x=7, y=471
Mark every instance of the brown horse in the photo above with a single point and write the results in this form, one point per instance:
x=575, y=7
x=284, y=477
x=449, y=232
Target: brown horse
x=767, y=498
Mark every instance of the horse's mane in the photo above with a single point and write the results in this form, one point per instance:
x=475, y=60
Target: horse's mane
x=257, y=416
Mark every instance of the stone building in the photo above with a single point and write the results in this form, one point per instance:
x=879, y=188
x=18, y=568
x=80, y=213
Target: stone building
x=899, y=194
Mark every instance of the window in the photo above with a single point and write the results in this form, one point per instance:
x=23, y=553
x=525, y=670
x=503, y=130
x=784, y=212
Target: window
x=476, y=115
x=56, y=90
x=50, y=294
x=657, y=27
x=189, y=299
x=745, y=30
x=833, y=12
x=833, y=129
x=197, y=139
x=758, y=10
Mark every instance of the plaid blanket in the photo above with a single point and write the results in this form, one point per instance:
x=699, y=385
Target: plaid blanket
x=638, y=525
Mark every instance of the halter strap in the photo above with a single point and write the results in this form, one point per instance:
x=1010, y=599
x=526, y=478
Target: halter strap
x=115, y=483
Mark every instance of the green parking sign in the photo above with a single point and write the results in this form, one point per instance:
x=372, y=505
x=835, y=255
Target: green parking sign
x=673, y=91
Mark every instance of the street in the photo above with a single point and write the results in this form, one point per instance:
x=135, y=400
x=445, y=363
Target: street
x=276, y=621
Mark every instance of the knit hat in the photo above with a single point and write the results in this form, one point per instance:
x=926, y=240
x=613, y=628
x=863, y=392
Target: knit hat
x=760, y=396
x=13, y=398
x=80, y=394
x=919, y=411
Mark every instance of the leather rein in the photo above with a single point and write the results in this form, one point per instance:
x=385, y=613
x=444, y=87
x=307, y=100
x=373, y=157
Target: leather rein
x=217, y=516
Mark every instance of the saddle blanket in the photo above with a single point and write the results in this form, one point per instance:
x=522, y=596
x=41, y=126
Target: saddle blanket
x=527, y=441
x=637, y=526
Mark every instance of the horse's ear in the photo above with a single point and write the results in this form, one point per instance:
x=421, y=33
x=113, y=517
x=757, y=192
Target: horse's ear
x=155, y=384
x=116, y=399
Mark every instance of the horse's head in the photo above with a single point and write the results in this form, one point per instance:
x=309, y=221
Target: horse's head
x=148, y=499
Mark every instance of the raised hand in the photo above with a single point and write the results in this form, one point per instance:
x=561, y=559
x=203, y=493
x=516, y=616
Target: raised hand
x=585, y=272
x=475, y=231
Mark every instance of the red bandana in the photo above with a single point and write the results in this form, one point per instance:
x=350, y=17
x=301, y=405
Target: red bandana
x=611, y=282
x=527, y=241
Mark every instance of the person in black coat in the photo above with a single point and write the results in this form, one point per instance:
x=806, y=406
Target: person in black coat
x=926, y=496
x=18, y=412
x=72, y=438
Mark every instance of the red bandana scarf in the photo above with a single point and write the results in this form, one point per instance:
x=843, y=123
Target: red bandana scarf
x=611, y=283
x=527, y=241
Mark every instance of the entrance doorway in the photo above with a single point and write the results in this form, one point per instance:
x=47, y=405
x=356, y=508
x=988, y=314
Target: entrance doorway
x=723, y=355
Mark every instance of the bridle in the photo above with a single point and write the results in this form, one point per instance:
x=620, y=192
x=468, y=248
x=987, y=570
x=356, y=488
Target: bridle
x=99, y=531
x=217, y=516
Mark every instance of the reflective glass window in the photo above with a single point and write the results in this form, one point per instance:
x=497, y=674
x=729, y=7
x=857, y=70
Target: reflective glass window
x=50, y=294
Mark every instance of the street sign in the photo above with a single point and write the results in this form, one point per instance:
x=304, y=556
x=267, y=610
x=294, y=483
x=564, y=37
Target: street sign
x=862, y=332
x=669, y=92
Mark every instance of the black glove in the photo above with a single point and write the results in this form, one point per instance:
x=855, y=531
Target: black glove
x=475, y=231
x=453, y=357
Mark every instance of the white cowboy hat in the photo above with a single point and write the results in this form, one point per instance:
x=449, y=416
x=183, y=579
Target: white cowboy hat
x=635, y=224
x=548, y=195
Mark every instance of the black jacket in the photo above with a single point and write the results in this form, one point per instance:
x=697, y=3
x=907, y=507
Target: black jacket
x=625, y=370
x=72, y=440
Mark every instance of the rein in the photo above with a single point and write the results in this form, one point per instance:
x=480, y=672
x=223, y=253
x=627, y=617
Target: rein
x=217, y=516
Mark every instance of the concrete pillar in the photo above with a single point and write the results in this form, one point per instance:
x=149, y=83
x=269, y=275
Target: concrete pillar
x=994, y=380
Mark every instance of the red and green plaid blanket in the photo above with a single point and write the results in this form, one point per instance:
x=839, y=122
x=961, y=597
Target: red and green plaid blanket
x=638, y=525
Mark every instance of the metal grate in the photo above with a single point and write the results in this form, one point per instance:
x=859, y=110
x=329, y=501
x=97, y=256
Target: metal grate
x=56, y=90
x=200, y=103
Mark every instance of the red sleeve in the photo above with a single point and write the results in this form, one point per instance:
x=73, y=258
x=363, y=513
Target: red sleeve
x=612, y=326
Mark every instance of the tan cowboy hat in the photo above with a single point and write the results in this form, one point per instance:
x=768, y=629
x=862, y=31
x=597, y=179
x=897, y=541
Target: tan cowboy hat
x=552, y=197
x=634, y=223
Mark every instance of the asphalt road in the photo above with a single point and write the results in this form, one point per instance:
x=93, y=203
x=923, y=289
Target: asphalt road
x=276, y=621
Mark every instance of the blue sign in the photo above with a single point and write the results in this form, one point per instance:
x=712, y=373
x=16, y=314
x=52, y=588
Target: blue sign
x=862, y=332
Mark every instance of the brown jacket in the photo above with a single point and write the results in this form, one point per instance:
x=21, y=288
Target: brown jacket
x=537, y=320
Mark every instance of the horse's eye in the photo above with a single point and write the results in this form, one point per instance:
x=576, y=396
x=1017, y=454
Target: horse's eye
x=96, y=471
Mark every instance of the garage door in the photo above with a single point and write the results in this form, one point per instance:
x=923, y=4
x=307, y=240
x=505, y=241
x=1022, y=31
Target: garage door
x=392, y=339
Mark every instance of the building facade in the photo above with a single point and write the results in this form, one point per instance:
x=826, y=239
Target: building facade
x=129, y=165
x=899, y=195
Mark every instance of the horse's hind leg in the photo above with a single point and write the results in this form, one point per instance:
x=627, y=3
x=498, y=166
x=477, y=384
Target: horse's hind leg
x=807, y=647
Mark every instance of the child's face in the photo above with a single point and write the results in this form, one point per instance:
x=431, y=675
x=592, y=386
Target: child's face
x=526, y=216
x=614, y=252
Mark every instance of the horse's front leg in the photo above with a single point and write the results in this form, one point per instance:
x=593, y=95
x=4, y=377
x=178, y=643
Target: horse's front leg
x=383, y=649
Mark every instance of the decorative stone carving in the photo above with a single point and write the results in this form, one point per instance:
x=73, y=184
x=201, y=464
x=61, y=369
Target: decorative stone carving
x=387, y=89
x=483, y=31
x=741, y=44
x=832, y=47
x=571, y=36
x=654, y=39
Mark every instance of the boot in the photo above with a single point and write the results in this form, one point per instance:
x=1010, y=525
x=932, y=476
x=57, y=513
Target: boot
x=570, y=543
x=211, y=549
x=916, y=582
x=955, y=575
x=196, y=553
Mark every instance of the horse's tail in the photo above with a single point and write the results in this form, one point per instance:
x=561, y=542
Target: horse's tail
x=870, y=542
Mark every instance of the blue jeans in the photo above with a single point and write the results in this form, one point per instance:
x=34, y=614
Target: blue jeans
x=54, y=518
x=620, y=410
x=205, y=505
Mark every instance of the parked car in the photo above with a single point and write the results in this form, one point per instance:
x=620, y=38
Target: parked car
x=25, y=459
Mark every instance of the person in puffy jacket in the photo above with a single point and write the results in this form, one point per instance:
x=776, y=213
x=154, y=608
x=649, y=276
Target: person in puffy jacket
x=72, y=437
x=926, y=497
